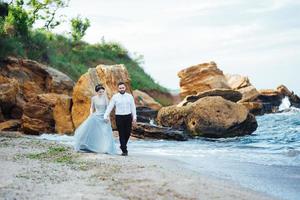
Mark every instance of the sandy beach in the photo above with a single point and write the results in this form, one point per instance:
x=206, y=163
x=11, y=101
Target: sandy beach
x=41, y=169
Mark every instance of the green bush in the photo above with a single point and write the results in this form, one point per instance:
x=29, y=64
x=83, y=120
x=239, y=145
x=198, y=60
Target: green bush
x=18, y=18
x=59, y=52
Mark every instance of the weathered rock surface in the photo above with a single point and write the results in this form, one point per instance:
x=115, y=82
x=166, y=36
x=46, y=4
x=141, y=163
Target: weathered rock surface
x=143, y=99
x=2, y=119
x=36, y=76
x=9, y=125
x=146, y=130
x=62, y=115
x=107, y=75
x=249, y=93
x=206, y=77
x=209, y=117
x=9, y=89
x=38, y=114
x=293, y=98
x=236, y=81
x=228, y=94
x=29, y=91
x=201, y=78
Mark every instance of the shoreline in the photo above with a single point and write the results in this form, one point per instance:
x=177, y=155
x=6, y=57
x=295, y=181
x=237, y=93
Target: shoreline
x=42, y=169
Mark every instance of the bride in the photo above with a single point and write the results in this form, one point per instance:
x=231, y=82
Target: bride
x=94, y=134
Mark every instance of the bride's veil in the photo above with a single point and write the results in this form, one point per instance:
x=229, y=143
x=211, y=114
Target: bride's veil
x=106, y=98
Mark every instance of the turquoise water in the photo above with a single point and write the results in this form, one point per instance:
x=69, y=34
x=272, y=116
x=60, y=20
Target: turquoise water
x=275, y=142
x=267, y=161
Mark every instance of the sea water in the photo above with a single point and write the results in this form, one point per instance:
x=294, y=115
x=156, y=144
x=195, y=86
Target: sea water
x=267, y=160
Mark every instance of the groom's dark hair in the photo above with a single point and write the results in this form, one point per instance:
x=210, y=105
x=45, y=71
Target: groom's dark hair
x=99, y=87
x=121, y=83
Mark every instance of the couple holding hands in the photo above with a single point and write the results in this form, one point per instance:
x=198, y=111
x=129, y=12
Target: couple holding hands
x=95, y=133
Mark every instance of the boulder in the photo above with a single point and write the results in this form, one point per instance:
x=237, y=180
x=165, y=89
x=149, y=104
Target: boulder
x=242, y=84
x=36, y=76
x=293, y=98
x=107, y=75
x=200, y=78
x=62, y=115
x=30, y=90
x=146, y=130
x=249, y=93
x=271, y=100
x=228, y=94
x=173, y=116
x=10, y=125
x=24, y=82
x=236, y=81
x=38, y=114
x=9, y=89
x=144, y=100
x=210, y=117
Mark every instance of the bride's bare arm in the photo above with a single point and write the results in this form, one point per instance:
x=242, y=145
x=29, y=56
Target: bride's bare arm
x=92, y=108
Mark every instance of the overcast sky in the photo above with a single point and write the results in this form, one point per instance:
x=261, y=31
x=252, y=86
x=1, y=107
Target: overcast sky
x=257, y=38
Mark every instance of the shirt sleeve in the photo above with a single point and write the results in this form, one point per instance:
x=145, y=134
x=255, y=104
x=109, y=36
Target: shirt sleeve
x=132, y=107
x=109, y=107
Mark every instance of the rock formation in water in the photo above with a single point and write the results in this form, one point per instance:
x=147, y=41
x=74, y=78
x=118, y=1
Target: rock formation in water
x=146, y=130
x=200, y=78
x=211, y=116
x=228, y=94
x=205, y=79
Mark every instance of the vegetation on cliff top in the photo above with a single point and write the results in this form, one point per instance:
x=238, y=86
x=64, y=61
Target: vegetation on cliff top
x=67, y=53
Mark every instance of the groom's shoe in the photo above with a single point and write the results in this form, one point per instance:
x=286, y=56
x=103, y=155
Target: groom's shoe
x=124, y=154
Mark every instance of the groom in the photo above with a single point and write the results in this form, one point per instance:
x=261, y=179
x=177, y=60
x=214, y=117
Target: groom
x=125, y=114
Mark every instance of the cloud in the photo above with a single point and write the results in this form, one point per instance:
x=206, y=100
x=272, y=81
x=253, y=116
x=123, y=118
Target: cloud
x=252, y=38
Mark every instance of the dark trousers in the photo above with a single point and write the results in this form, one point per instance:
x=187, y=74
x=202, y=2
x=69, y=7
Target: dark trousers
x=124, y=125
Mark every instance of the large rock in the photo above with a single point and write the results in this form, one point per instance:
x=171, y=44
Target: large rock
x=270, y=99
x=36, y=77
x=210, y=117
x=293, y=98
x=236, y=81
x=144, y=100
x=38, y=114
x=228, y=94
x=9, y=89
x=242, y=84
x=201, y=78
x=29, y=91
x=249, y=93
x=107, y=75
x=62, y=115
x=173, y=116
x=146, y=130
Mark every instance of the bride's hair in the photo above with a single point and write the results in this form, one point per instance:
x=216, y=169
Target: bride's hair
x=99, y=87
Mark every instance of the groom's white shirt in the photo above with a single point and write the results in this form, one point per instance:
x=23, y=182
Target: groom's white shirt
x=124, y=105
